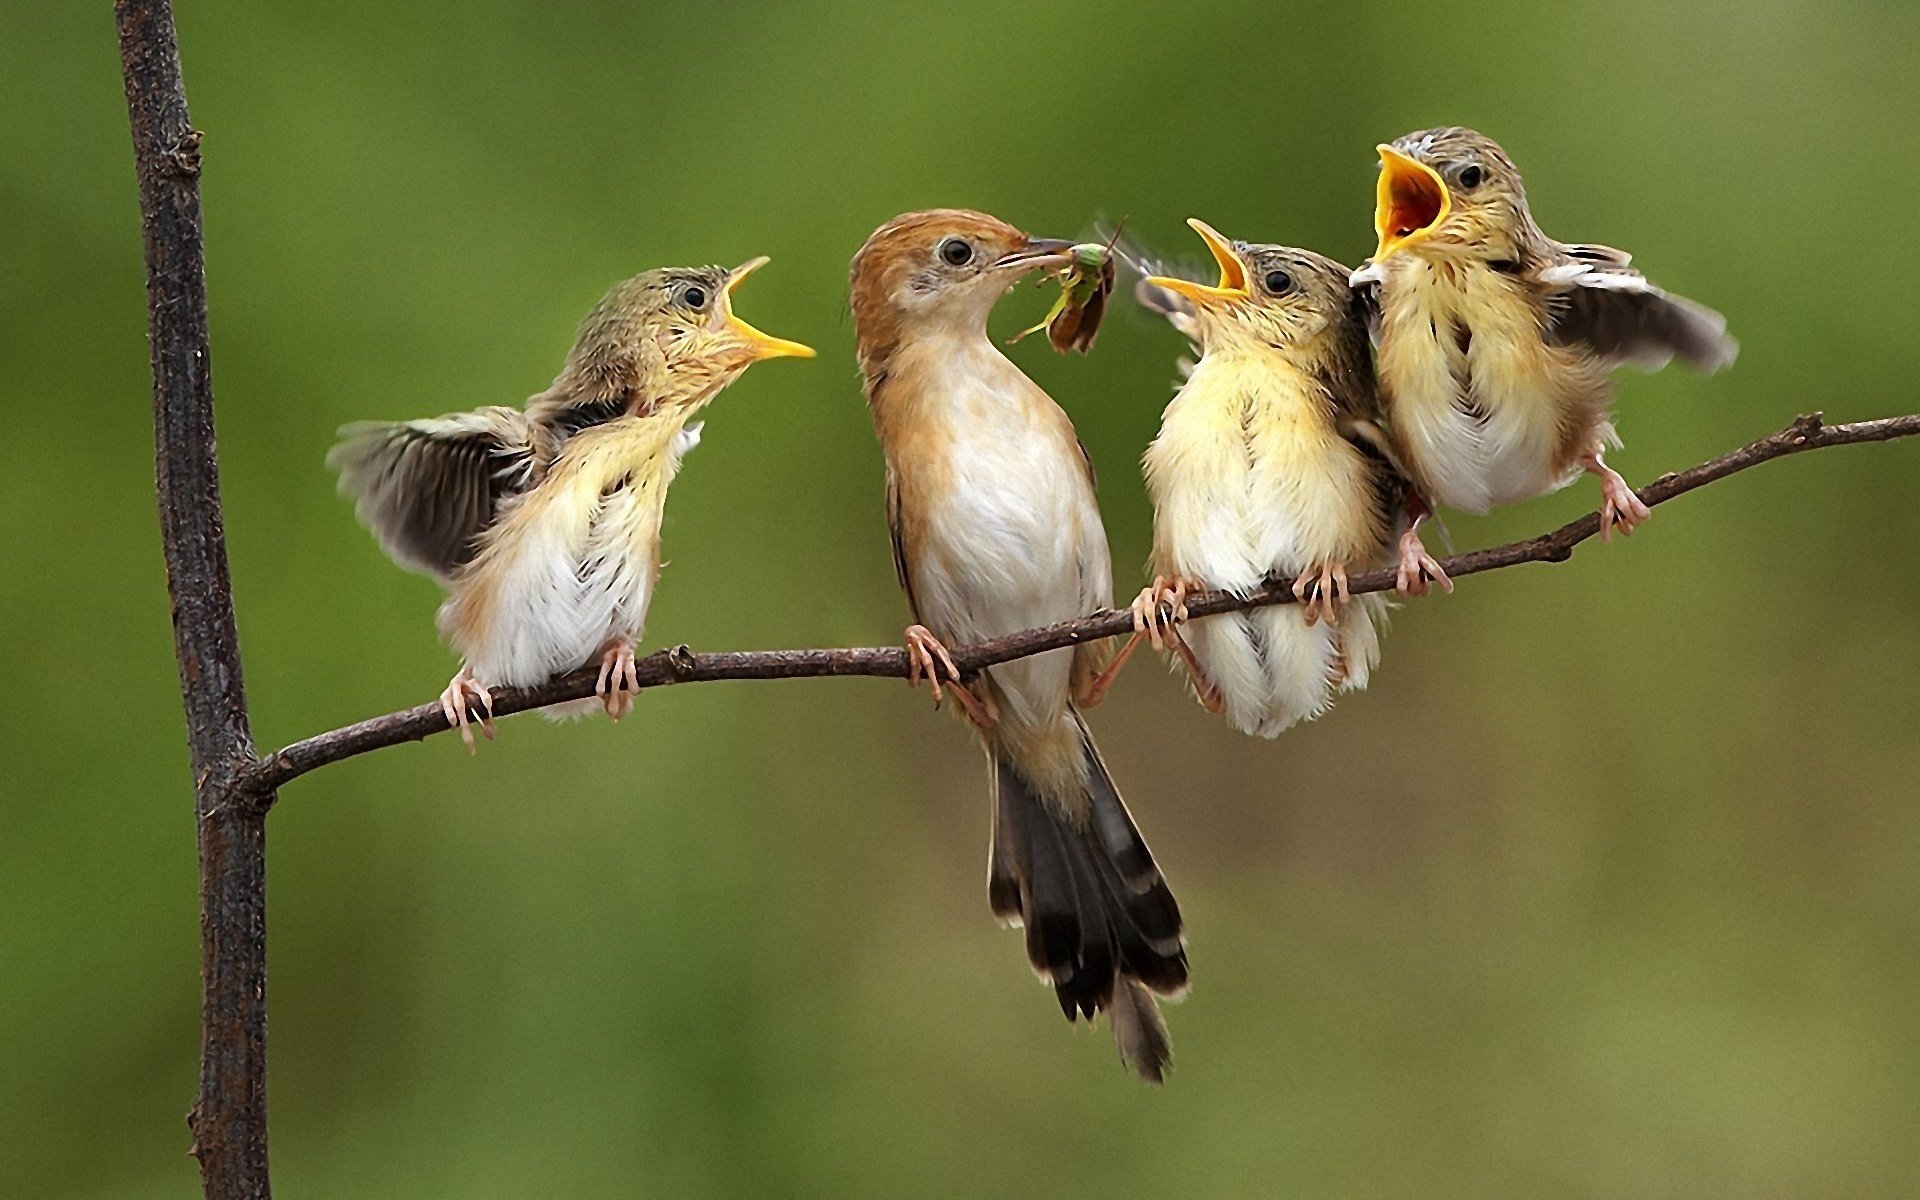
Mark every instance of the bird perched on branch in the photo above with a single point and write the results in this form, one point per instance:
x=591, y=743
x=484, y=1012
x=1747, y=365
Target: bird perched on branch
x=544, y=523
x=1496, y=343
x=1271, y=462
x=995, y=530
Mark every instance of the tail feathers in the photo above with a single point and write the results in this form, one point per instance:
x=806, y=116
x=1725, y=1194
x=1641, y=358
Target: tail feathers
x=1101, y=924
x=1140, y=1031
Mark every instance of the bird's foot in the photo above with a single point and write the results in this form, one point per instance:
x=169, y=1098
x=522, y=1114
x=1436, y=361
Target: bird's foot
x=619, y=680
x=927, y=656
x=1619, y=506
x=463, y=691
x=1321, y=592
x=1158, y=613
x=1417, y=569
x=1160, y=607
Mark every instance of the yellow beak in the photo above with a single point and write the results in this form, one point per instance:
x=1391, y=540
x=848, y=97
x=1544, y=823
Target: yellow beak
x=1233, y=272
x=762, y=345
x=1411, y=203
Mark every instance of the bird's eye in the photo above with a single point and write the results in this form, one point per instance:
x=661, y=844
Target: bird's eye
x=956, y=252
x=694, y=296
x=1278, y=282
x=1472, y=177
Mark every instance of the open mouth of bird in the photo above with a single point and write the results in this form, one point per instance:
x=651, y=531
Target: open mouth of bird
x=1412, y=201
x=758, y=345
x=1233, y=272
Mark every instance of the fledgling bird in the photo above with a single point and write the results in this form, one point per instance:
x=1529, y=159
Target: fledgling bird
x=1271, y=463
x=1496, y=344
x=543, y=524
x=995, y=530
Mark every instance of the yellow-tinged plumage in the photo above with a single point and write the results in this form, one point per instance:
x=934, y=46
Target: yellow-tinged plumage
x=1496, y=344
x=1269, y=464
x=995, y=530
x=544, y=525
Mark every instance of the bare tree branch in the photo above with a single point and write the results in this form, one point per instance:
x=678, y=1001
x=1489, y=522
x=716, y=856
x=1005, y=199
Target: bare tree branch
x=681, y=665
x=229, y=1120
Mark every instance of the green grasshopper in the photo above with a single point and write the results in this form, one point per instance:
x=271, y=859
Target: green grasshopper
x=1086, y=279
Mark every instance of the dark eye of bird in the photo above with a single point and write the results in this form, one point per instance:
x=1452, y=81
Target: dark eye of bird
x=955, y=252
x=1278, y=282
x=694, y=297
x=1472, y=177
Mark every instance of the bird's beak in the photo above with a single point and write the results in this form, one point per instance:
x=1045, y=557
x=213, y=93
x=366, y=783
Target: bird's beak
x=761, y=345
x=1233, y=272
x=1411, y=203
x=1038, y=252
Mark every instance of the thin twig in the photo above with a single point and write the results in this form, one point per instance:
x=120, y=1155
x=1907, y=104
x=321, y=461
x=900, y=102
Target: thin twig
x=681, y=665
x=229, y=1119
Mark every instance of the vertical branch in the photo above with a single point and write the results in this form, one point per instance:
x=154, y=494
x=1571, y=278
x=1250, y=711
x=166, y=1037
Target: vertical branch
x=229, y=1118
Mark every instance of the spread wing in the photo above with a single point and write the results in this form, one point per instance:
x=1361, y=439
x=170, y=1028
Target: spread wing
x=428, y=489
x=1596, y=299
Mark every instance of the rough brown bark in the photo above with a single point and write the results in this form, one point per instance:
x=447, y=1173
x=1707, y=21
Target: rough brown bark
x=681, y=665
x=229, y=1118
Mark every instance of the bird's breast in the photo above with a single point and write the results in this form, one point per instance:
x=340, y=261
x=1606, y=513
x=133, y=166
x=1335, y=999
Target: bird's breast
x=998, y=522
x=1251, y=478
x=1477, y=398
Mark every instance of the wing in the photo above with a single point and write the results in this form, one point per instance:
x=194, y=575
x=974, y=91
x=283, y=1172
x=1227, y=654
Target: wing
x=899, y=545
x=1595, y=299
x=428, y=489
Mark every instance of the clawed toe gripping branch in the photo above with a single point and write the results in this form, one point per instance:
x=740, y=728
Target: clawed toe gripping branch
x=234, y=788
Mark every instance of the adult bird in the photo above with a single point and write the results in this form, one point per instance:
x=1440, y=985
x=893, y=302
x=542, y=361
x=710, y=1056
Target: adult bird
x=991, y=507
x=543, y=523
x=1496, y=343
x=1271, y=463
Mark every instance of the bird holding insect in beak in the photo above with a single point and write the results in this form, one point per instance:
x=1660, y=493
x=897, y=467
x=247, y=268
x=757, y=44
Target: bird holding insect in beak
x=995, y=530
x=1496, y=343
x=1270, y=463
x=543, y=523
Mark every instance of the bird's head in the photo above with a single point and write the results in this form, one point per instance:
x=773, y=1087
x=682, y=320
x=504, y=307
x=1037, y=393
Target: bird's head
x=1270, y=296
x=1450, y=191
x=942, y=268
x=671, y=335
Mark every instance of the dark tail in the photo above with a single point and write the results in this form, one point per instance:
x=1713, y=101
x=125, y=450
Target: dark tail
x=1102, y=925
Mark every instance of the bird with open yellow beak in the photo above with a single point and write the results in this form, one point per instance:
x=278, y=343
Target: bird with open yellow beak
x=995, y=530
x=1270, y=462
x=1496, y=344
x=543, y=523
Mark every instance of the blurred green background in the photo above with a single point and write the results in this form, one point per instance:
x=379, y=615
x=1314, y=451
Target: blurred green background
x=1607, y=887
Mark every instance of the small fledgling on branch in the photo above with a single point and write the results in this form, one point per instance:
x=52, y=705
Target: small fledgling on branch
x=1496, y=343
x=1270, y=463
x=995, y=530
x=544, y=523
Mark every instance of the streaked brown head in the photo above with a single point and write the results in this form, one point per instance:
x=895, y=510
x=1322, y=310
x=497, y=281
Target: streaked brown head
x=1282, y=297
x=665, y=337
x=1452, y=191
x=941, y=268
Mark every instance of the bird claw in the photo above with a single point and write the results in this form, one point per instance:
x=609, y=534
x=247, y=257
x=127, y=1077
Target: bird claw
x=927, y=656
x=454, y=702
x=1158, y=608
x=1321, y=593
x=1417, y=569
x=1619, y=504
x=619, y=680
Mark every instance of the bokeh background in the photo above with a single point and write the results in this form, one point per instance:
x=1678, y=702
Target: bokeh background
x=1606, y=888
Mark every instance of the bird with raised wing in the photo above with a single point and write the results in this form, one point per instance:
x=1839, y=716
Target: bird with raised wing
x=1271, y=464
x=990, y=500
x=543, y=523
x=1496, y=344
